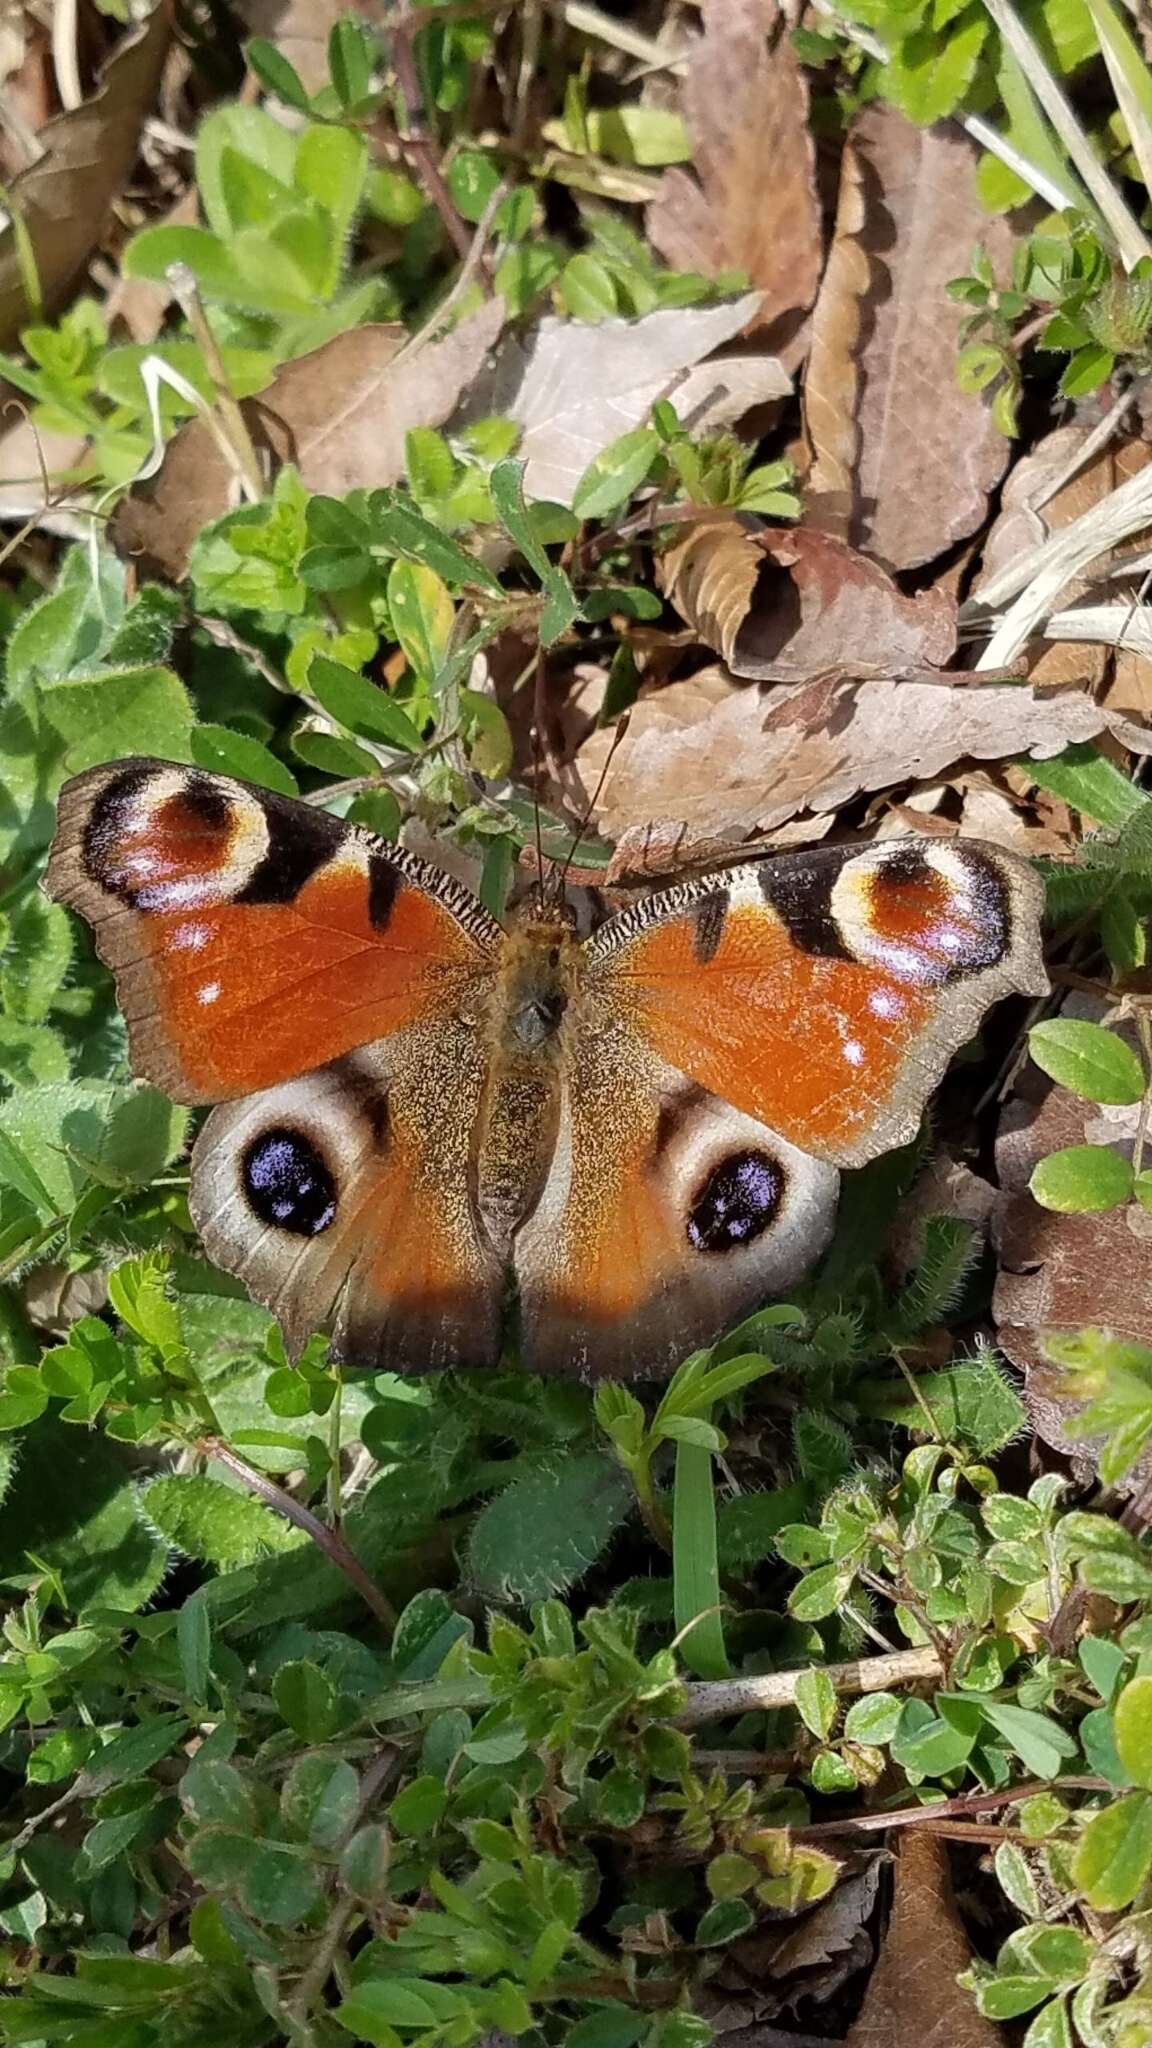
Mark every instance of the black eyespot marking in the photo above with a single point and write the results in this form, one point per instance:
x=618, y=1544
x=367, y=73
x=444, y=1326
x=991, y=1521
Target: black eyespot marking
x=736, y=1203
x=708, y=918
x=993, y=939
x=287, y=1182
x=384, y=882
x=800, y=892
x=201, y=799
x=300, y=840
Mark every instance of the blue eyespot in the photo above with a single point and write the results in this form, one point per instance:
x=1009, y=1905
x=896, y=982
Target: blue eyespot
x=287, y=1182
x=736, y=1203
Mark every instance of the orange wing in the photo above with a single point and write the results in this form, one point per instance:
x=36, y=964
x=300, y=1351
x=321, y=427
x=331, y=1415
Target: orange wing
x=254, y=938
x=343, y=1199
x=825, y=993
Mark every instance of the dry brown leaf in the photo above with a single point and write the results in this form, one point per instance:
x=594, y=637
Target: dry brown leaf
x=340, y=414
x=694, y=790
x=923, y=454
x=63, y=198
x=913, y=1994
x=784, y=604
x=23, y=449
x=833, y=371
x=572, y=388
x=1020, y=526
x=752, y=205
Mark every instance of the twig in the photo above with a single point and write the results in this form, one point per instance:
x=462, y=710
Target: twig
x=416, y=141
x=330, y=1541
x=968, y=1802
x=186, y=292
x=1099, y=438
x=778, y=1688
x=470, y=270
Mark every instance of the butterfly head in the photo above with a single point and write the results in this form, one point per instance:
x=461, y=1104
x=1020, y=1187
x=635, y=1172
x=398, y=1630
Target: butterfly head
x=539, y=976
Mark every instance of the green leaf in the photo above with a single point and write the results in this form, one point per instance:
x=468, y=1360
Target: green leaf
x=365, y=1863
x=277, y=74
x=279, y=1887
x=116, y=713
x=422, y=614
x=306, y=1700
x=873, y=1719
x=429, y=463
x=927, y=76
x=363, y=707
x=399, y=529
x=224, y=752
x=194, y=1645
x=1082, y=1179
x=819, y=1593
x=695, y=1576
x=419, y=1808
x=89, y=1530
x=543, y=1532
x=1092, y=1062
x=816, y=1701
x=586, y=289
x=561, y=606
x=205, y=1518
x=1132, y=1718
x=1114, y=1856
x=35, y=962
x=1040, y=1743
x=320, y=1798
x=1082, y=777
x=350, y=55
x=613, y=475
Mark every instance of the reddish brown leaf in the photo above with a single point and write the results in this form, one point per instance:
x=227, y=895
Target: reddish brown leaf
x=913, y=1994
x=340, y=414
x=693, y=779
x=752, y=205
x=63, y=199
x=922, y=455
x=785, y=604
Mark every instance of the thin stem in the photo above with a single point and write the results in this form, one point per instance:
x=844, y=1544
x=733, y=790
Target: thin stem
x=706, y=1702
x=416, y=141
x=232, y=420
x=330, y=1541
x=968, y=1802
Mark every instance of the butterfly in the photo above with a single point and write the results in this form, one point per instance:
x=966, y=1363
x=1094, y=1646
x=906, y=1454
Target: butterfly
x=430, y=1120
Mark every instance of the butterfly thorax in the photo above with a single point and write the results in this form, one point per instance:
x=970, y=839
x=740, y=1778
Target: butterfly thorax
x=520, y=1109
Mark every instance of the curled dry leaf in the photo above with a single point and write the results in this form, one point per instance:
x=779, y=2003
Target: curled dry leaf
x=889, y=427
x=340, y=414
x=752, y=205
x=784, y=604
x=694, y=789
x=63, y=198
x=1029, y=511
x=572, y=387
x=913, y=1994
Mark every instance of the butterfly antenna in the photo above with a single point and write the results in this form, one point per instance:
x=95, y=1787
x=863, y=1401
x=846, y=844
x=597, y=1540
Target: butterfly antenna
x=538, y=758
x=602, y=778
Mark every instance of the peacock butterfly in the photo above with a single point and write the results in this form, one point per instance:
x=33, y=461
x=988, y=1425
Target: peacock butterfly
x=425, y=1112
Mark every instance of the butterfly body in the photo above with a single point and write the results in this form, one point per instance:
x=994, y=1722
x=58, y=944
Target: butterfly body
x=423, y=1113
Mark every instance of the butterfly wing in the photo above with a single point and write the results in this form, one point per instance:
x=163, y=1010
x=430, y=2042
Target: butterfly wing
x=263, y=950
x=667, y=1214
x=825, y=993
x=343, y=1199
x=252, y=937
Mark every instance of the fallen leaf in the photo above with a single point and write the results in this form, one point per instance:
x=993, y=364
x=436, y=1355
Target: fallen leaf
x=340, y=414
x=1029, y=511
x=913, y=1994
x=22, y=497
x=752, y=205
x=693, y=789
x=881, y=398
x=63, y=199
x=783, y=604
x=573, y=387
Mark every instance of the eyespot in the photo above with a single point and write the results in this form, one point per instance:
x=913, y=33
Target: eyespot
x=287, y=1182
x=736, y=1202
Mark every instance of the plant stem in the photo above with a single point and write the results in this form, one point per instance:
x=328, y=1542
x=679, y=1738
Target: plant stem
x=416, y=141
x=706, y=1702
x=330, y=1541
x=232, y=419
x=968, y=1802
